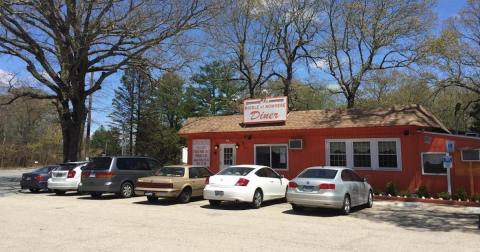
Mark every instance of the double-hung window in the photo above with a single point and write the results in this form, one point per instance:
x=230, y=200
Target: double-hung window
x=364, y=154
x=272, y=155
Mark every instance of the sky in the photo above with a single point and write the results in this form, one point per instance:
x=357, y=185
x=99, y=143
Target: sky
x=102, y=99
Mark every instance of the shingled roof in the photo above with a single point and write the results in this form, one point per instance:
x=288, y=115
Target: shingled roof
x=414, y=115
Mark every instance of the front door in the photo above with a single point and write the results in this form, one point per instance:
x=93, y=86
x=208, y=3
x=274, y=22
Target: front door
x=228, y=155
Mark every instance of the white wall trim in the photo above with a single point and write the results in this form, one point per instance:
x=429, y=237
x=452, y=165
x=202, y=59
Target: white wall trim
x=374, y=160
x=449, y=135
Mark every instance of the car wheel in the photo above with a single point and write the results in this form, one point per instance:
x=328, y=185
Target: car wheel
x=126, y=190
x=34, y=190
x=370, y=200
x=296, y=208
x=96, y=195
x=152, y=199
x=185, y=195
x=58, y=192
x=214, y=203
x=346, y=205
x=257, y=199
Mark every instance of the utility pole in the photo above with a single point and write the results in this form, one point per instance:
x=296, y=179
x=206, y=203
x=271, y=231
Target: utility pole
x=89, y=120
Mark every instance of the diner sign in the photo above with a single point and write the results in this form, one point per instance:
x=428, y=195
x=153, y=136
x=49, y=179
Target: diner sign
x=269, y=110
x=201, y=152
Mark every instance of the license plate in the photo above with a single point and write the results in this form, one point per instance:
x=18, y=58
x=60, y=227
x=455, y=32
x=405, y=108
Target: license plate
x=149, y=194
x=218, y=193
x=307, y=188
x=92, y=175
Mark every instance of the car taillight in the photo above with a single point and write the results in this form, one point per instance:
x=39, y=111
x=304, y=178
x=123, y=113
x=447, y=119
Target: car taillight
x=327, y=186
x=71, y=173
x=85, y=174
x=292, y=184
x=207, y=180
x=104, y=174
x=39, y=178
x=242, y=182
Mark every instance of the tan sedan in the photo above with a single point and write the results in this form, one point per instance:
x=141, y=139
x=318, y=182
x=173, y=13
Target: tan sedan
x=177, y=181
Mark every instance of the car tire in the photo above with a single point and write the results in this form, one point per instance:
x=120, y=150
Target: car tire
x=96, y=195
x=34, y=190
x=347, y=205
x=152, y=199
x=370, y=200
x=59, y=192
x=185, y=195
x=214, y=203
x=297, y=208
x=126, y=190
x=257, y=199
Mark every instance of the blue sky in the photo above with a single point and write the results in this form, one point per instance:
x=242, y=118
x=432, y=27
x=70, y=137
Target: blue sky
x=103, y=98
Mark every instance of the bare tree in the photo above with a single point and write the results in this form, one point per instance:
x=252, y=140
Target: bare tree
x=457, y=52
x=61, y=41
x=295, y=25
x=367, y=35
x=244, y=34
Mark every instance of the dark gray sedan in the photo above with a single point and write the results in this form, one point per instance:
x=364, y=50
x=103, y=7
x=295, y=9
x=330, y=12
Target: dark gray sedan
x=329, y=187
x=37, y=179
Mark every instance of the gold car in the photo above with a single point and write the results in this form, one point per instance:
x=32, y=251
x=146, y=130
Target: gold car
x=177, y=181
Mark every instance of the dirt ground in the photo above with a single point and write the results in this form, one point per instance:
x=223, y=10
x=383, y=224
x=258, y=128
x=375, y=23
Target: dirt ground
x=45, y=222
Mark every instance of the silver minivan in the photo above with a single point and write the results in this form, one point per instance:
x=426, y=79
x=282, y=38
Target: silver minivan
x=117, y=175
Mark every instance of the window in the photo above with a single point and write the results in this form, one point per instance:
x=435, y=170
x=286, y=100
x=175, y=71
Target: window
x=153, y=164
x=204, y=172
x=319, y=173
x=171, y=171
x=338, y=154
x=275, y=156
x=236, y=171
x=470, y=155
x=387, y=154
x=364, y=154
x=361, y=154
x=271, y=174
x=354, y=176
x=432, y=164
x=193, y=172
x=346, y=176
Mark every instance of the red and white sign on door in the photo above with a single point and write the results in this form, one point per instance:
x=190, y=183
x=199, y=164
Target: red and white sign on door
x=201, y=152
x=267, y=110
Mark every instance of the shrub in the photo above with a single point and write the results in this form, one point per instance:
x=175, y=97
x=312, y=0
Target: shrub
x=475, y=197
x=443, y=195
x=461, y=194
x=376, y=191
x=422, y=192
x=405, y=193
x=391, y=189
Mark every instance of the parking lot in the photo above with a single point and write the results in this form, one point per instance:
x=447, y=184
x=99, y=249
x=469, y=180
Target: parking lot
x=45, y=222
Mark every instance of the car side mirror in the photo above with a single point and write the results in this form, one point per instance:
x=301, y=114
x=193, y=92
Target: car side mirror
x=365, y=179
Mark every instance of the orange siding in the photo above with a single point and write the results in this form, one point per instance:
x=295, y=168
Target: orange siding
x=313, y=153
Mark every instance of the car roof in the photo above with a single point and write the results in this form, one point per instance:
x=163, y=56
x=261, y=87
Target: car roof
x=338, y=168
x=249, y=166
x=183, y=166
x=76, y=162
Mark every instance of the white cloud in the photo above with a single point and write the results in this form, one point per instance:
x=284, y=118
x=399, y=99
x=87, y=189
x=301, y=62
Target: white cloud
x=319, y=64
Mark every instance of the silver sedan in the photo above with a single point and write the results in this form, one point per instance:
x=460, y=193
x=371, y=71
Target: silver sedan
x=329, y=187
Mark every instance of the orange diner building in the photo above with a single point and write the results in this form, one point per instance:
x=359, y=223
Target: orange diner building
x=403, y=144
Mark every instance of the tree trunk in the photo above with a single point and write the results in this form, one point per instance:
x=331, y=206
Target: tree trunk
x=72, y=123
x=350, y=101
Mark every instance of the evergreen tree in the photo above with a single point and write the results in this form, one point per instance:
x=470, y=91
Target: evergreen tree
x=214, y=91
x=105, y=141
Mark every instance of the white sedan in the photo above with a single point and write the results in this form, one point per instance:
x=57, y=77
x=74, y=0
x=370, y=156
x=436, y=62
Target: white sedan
x=245, y=183
x=66, y=177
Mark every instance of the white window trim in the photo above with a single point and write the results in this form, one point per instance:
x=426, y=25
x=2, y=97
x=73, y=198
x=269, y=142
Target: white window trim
x=373, y=153
x=461, y=153
x=270, y=145
x=431, y=174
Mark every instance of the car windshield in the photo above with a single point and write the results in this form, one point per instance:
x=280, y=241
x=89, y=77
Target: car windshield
x=99, y=163
x=319, y=173
x=171, y=171
x=236, y=171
